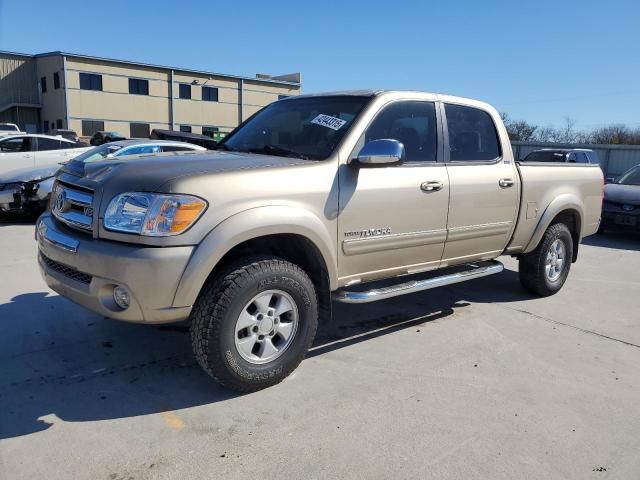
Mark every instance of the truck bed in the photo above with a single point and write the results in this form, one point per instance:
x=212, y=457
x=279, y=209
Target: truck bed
x=549, y=189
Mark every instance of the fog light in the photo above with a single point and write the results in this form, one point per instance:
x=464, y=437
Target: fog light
x=121, y=297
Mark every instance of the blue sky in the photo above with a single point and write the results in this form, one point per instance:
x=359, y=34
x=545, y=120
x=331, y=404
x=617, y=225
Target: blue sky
x=537, y=60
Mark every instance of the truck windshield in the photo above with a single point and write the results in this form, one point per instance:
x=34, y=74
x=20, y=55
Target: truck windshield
x=632, y=177
x=309, y=127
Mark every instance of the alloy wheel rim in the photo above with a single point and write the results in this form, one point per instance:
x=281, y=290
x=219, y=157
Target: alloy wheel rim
x=266, y=326
x=555, y=260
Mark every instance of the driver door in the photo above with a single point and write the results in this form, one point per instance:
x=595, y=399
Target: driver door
x=16, y=152
x=393, y=219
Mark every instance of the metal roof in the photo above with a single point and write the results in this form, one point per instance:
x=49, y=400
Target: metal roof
x=273, y=80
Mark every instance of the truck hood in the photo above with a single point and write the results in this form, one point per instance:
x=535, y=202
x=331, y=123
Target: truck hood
x=616, y=193
x=152, y=172
x=29, y=174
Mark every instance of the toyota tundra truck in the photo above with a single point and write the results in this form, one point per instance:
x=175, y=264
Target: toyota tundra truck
x=351, y=197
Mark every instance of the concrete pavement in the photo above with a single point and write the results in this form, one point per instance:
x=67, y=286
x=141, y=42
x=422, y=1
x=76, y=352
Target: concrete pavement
x=475, y=381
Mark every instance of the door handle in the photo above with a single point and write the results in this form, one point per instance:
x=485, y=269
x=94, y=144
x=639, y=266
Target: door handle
x=431, y=186
x=505, y=182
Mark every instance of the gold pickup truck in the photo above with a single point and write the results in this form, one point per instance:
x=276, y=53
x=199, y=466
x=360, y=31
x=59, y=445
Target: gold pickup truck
x=351, y=196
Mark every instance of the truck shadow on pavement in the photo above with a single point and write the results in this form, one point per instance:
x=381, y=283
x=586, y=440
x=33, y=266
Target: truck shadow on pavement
x=620, y=241
x=61, y=363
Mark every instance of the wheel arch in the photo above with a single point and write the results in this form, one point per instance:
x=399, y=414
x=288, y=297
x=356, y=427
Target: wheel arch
x=290, y=233
x=566, y=209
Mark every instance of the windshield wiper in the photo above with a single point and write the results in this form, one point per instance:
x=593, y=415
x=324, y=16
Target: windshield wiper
x=279, y=151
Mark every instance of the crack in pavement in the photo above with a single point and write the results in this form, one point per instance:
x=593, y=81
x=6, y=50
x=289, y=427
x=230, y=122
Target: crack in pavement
x=580, y=329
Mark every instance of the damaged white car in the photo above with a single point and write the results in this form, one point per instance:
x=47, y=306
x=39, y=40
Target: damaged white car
x=26, y=191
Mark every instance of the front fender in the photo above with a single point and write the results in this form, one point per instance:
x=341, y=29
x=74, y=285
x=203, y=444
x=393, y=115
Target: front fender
x=247, y=225
x=566, y=201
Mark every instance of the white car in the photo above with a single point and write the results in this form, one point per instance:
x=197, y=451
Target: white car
x=31, y=150
x=9, y=129
x=27, y=190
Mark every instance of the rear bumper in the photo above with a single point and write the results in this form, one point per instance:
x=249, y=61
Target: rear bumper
x=618, y=220
x=86, y=270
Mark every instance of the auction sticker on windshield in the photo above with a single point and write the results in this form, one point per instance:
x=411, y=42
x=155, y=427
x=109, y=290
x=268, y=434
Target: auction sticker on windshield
x=328, y=121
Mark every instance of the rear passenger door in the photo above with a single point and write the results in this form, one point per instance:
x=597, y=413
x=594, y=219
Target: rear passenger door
x=48, y=151
x=484, y=186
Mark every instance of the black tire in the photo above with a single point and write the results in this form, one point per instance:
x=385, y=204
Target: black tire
x=532, y=272
x=222, y=300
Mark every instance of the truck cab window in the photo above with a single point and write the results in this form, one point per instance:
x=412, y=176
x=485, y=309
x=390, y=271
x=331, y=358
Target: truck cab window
x=411, y=123
x=472, y=134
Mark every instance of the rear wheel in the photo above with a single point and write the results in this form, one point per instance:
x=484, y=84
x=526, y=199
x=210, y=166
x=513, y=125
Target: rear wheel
x=253, y=323
x=544, y=270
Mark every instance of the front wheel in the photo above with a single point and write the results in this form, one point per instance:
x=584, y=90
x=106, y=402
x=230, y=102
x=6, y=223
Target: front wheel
x=544, y=270
x=253, y=323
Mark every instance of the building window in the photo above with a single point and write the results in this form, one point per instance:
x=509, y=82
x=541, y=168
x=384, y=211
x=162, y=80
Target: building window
x=56, y=80
x=282, y=97
x=89, y=127
x=90, y=81
x=59, y=124
x=185, y=91
x=209, y=94
x=139, y=130
x=138, y=86
x=53, y=125
x=43, y=84
x=210, y=131
x=45, y=126
x=185, y=128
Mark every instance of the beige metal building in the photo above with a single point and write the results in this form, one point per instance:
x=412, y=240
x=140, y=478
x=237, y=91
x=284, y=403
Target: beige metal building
x=65, y=90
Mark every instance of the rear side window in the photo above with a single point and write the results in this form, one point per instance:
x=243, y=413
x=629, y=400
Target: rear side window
x=45, y=144
x=175, y=148
x=581, y=157
x=472, y=134
x=411, y=123
x=140, y=150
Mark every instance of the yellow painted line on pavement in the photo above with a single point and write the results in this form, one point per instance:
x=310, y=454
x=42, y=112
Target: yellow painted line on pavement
x=172, y=420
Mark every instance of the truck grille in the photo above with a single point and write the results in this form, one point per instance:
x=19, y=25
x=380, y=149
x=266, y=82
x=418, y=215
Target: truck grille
x=67, y=271
x=73, y=206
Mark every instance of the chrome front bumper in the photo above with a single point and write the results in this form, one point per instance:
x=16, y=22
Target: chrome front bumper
x=86, y=270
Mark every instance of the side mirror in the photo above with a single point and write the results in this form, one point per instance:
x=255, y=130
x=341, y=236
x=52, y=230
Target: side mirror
x=380, y=153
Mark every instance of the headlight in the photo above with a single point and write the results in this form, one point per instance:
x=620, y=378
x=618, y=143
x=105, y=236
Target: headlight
x=152, y=214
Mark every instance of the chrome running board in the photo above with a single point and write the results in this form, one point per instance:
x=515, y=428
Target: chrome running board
x=475, y=271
